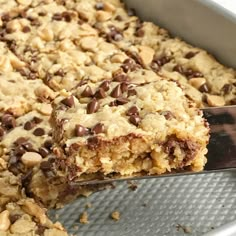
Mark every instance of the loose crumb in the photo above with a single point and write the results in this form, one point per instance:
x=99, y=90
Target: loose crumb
x=186, y=229
x=84, y=218
x=115, y=215
x=132, y=185
x=88, y=205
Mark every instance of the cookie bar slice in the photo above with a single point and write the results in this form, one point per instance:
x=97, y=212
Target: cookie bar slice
x=124, y=128
x=26, y=218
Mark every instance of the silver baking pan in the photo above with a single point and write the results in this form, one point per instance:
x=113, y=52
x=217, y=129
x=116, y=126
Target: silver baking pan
x=174, y=206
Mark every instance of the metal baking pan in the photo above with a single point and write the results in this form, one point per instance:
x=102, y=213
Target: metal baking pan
x=175, y=206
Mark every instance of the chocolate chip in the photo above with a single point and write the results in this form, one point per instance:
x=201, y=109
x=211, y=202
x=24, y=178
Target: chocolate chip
x=132, y=111
x=131, y=92
x=8, y=121
x=192, y=74
x=98, y=128
x=43, y=151
x=105, y=85
x=37, y=120
x=57, y=16
x=113, y=103
x=227, y=88
x=179, y=69
x=92, y=106
x=124, y=87
x=14, y=218
x=134, y=119
x=119, y=77
x=114, y=34
x=116, y=92
x=162, y=61
x=48, y=144
x=121, y=101
x=39, y=132
x=69, y=101
x=128, y=65
x=93, y=142
x=5, y=17
x=99, y=6
x=139, y=32
x=100, y=94
x=20, y=141
x=190, y=55
x=46, y=165
x=118, y=18
x=60, y=72
x=168, y=115
x=19, y=151
x=29, y=125
x=28, y=146
x=1, y=131
x=66, y=16
x=80, y=131
x=87, y=92
x=26, y=29
x=204, y=88
x=42, y=13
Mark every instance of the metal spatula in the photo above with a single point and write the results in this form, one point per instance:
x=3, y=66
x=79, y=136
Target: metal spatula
x=221, y=149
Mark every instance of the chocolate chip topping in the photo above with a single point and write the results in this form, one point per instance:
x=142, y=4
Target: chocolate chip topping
x=29, y=125
x=134, y=119
x=132, y=111
x=80, y=131
x=98, y=128
x=105, y=85
x=161, y=61
x=39, y=132
x=43, y=151
x=14, y=218
x=19, y=151
x=100, y=94
x=87, y=92
x=8, y=121
x=179, y=69
x=128, y=65
x=116, y=92
x=20, y=141
x=92, y=106
x=60, y=72
x=168, y=115
x=69, y=101
x=37, y=120
x=189, y=55
x=119, y=76
x=48, y=144
x=124, y=87
x=114, y=34
x=192, y=74
x=204, y=88
x=121, y=101
x=46, y=165
x=26, y=29
x=227, y=88
x=57, y=16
